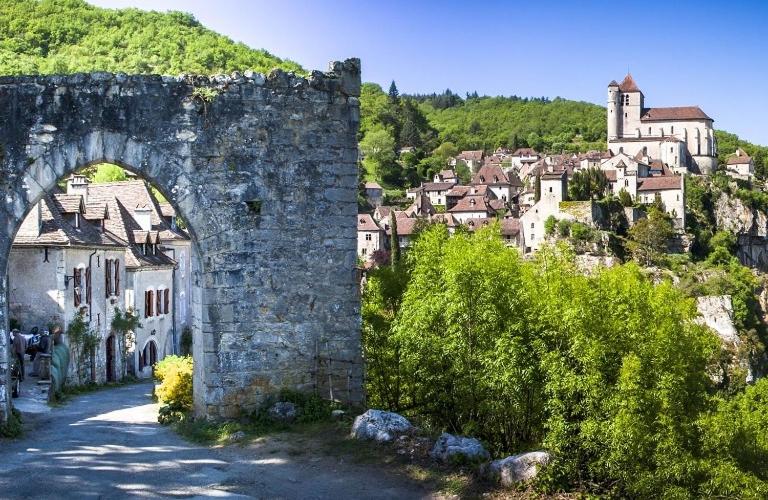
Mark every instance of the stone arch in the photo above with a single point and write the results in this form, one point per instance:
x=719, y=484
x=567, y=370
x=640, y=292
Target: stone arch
x=265, y=175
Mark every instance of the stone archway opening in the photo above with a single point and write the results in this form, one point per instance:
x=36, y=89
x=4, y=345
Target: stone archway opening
x=264, y=171
x=102, y=246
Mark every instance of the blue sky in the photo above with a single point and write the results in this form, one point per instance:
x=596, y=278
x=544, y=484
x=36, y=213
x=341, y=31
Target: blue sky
x=706, y=53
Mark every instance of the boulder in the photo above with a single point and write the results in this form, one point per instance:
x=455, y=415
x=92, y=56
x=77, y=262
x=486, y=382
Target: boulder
x=517, y=468
x=379, y=425
x=452, y=448
x=282, y=411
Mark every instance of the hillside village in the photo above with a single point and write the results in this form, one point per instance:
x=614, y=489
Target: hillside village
x=649, y=152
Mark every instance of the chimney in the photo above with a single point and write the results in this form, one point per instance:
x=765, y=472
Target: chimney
x=143, y=216
x=78, y=184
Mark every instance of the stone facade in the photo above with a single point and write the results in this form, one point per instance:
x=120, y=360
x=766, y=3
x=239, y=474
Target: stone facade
x=265, y=174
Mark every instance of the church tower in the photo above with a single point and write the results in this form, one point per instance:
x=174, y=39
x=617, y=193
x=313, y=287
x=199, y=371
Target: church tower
x=614, y=119
x=630, y=107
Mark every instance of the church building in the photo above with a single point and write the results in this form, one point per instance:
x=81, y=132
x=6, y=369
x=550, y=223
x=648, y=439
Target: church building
x=681, y=137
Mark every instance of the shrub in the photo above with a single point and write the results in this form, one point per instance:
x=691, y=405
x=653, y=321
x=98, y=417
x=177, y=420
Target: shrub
x=549, y=225
x=186, y=341
x=175, y=390
x=13, y=427
x=564, y=228
x=581, y=232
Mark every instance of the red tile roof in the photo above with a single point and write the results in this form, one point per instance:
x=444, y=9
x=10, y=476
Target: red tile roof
x=674, y=114
x=660, y=183
x=366, y=223
x=472, y=203
x=437, y=186
x=628, y=84
x=525, y=152
x=470, y=155
x=739, y=158
x=490, y=175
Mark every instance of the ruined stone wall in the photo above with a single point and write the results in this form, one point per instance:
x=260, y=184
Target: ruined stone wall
x=263, y=169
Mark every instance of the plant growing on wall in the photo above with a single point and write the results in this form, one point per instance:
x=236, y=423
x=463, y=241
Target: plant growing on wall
x=124, y=324
x=83, y=343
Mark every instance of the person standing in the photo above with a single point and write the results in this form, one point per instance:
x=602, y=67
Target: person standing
x=19, y=347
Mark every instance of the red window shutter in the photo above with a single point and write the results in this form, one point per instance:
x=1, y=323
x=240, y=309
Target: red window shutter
x=76, y=286
x=167, y=299
x=107, y=277
x=88, y=286
x=117, y=277
x=159, y=303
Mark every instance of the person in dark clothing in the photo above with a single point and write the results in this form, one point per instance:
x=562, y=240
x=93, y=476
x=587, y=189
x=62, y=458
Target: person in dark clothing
x=19, y=348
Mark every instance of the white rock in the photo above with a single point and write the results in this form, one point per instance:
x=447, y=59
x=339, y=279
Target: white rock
x=380, y=425
x=449, y=447
x=521, y=467
x=717, y=313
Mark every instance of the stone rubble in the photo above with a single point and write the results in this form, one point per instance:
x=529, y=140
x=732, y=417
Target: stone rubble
x=381, y=426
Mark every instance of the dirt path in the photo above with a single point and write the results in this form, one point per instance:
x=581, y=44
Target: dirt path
x=108, y=444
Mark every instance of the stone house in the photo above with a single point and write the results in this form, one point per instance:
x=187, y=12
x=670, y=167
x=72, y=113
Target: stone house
x=497, y=181
x=671, y=190
x=65, y=261
x=435, y=191
x=524, y=156
x=447, y=175
x=374, y=193
x=740, y=166
x=473, y=159
x=472, y=206
x=159, y=264
x=554, y=189
x=370, y=236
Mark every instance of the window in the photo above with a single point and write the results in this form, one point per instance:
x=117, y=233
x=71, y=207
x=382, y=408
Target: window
x=108, y=277
x=365, y=251
x=148, y=357
x=148, y=303
x=367, y=236
x=649, y=130
x=672, y=130
x=159, y=299
x=116, y=269
x=531, y=225
x=77, y=278
x=167, y=300
x=550, y=189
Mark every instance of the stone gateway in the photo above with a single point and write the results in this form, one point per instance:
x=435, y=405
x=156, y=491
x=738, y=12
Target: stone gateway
x=264, y=171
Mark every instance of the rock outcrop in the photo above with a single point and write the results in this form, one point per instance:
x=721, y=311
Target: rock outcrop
x=717, y=313
x=380, y=426
x=450, y=448
x=750, y=227
x=517, y=468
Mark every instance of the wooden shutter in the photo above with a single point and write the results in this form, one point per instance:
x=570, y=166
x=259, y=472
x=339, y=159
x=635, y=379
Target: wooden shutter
x=167, y=299
x=159, y=310
x=147, y=304
x=108, y=277
x=117, y=277
x=76, y=288
x=88, y=285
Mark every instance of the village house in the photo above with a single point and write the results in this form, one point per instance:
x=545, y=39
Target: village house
x=472, y=206
x=503, y=186
x=740, y=166
x=435, y=191
x=554, y=189
x=63, y=262
x=370, y=237
x=447, y=175
x=374, y=193
x=158, y=264
x=473, y=159
x=524, y=156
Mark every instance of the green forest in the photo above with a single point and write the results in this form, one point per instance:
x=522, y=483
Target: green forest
x=70, y=36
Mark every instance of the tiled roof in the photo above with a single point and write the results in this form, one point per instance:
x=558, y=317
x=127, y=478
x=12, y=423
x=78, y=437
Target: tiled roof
x=447, y=174
x=496, y=205
x=406, y=226
x=472, y=203
x=553, y=175
x=514, y=179
x=525, y=152
x=457, y=191
x=437, y=186
x=57, y=230
x=510, y=227
x=470, y=155
x=610, y=175
x=445, y=218
x=167, y=210
x=660, y=183
x=628, y=84
x=672, y=114
x=366, y=223
x=491, y=175
x=372, y=185
x=69, y=203
x=96, y=211
x=739, y=158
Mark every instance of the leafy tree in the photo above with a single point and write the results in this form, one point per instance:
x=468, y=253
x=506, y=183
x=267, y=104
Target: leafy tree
x=625, y=198
x=107, y=172
x=588, y=184
x=537, y=188
x=462, y=172
x=550, y=224
x=649, y=237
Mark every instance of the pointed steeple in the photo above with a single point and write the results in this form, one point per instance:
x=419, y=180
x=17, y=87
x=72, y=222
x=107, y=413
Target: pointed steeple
x=628, y=84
